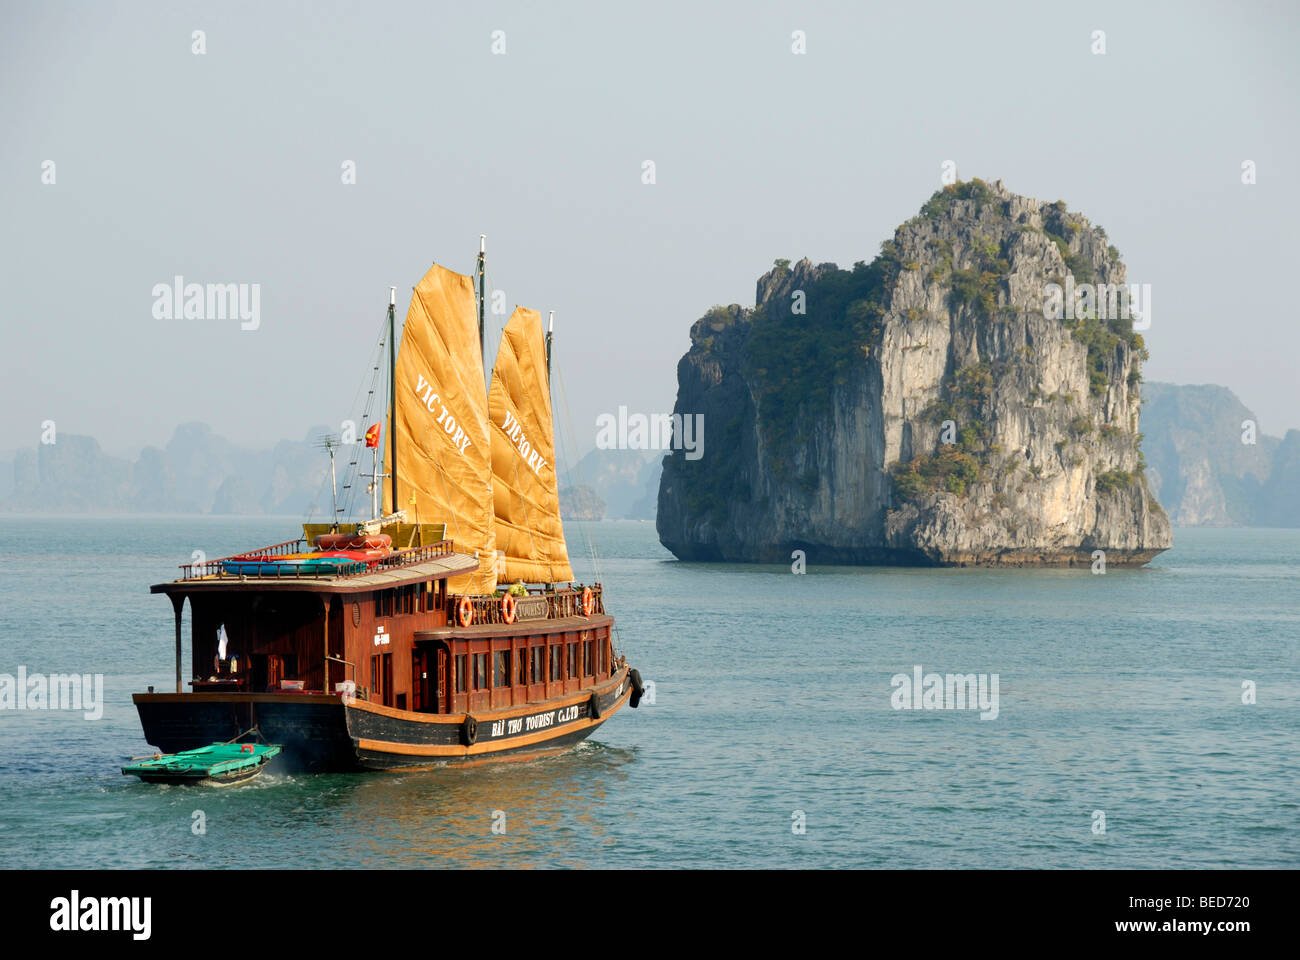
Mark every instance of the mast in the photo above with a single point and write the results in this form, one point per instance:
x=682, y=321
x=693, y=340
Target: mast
x=550, y=332
x=334, y=485
x=392, y=393
x=482, y=293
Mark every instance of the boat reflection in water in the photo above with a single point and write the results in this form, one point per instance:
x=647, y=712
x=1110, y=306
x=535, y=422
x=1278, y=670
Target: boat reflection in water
x=546, y=813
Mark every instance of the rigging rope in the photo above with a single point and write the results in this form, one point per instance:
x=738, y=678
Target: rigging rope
x=350, y=468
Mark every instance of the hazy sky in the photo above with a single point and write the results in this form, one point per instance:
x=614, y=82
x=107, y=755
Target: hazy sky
x=227, y=167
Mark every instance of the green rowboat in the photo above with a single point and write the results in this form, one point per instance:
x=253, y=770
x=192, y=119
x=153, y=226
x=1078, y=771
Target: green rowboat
x=219, y=764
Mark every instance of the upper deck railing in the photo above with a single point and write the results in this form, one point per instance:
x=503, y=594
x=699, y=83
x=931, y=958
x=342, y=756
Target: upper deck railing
x=307, y=570
x=560, y=602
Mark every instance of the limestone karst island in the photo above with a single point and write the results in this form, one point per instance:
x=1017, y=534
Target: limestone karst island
x=969, y=397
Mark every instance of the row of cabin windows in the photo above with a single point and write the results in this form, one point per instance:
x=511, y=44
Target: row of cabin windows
x=567, y=661
x=416, y=598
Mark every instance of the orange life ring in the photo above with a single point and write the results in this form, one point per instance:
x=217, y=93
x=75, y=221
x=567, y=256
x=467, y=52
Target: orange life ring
x=588, y=602
x=464, y=612
x=508, y=607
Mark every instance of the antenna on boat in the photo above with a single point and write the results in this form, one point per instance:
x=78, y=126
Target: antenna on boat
x=482, y=292
x=550, y=332
x=331, y=442
x=392, y=393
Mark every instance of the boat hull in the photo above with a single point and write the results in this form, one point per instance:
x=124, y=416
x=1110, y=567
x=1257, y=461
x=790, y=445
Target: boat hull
x=309, y=727
x=388, y=739
x=335, y=734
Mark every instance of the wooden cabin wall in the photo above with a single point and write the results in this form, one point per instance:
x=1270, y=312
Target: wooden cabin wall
x=291, y=625
x=284, y=624
x=361, y=622
x=337, y=641
x=589, y=666
x=205, y=617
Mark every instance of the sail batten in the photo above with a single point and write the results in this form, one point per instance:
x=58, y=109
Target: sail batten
x=529, y=532
x=440, y=416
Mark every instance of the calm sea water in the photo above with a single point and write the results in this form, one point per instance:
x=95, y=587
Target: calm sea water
x=1119, y=693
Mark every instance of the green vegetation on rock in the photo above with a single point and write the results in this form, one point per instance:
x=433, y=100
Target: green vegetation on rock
x=950, y=469
x=941, y=200
x=957, y=465
x=1114, y=480
x=797, y=361
x=710, y=484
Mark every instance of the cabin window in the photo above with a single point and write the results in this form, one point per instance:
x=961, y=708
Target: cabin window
x=539, y=664
x=384, y=603
x=480, y=671
x=573, y=659
x=461, y=672
x=502, y=678
x=586, y=658
x=557, y=662
x=523, y=667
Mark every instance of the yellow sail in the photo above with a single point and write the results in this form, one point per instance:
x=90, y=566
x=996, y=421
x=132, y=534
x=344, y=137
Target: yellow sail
x=528, y=528
x=444, y=457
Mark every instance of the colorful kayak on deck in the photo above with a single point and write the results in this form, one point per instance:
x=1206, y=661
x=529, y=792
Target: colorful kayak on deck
x=300, y=564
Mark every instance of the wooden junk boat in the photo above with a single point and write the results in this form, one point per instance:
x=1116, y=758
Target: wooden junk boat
x=387, y=644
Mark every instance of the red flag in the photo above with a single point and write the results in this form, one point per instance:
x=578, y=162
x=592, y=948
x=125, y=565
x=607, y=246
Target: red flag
x=372, y=435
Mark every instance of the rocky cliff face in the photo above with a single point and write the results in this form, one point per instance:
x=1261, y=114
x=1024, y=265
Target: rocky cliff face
x=1211, y=466
x=923, y=408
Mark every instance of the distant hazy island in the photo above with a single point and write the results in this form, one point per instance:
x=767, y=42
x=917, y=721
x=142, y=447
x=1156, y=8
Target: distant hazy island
x=935, y=406
x=1197, y=467
x=581, y=503
x=201, y=472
